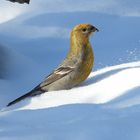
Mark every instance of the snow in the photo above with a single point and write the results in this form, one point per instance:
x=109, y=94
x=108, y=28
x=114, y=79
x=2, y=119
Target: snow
x=96, y=89
x=103, y=104
x=34, y=39
x=14, y=10
x=107, y=102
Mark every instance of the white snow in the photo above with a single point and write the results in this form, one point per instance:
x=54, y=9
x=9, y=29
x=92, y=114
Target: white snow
x=10, y=11
x=96, y=89
x=83, y=112
x=34, y=39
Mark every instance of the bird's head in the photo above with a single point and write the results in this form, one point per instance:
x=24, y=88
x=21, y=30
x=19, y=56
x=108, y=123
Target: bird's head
x=80, y=37
x=84, y=30
x=81, y=33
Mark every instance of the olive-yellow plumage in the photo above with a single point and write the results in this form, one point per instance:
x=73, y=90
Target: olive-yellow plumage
x=74, y=69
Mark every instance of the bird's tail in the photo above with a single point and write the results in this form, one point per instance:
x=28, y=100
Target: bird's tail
x=32, y=93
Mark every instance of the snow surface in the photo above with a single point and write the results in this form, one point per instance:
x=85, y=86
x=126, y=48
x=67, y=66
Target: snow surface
x=34, y=39
x=95, y=90
x=108, y=103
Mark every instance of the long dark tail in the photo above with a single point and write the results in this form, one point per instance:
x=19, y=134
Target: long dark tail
x=32, y=93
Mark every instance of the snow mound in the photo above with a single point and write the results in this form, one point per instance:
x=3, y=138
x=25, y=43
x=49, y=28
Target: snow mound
x=102, y=87
x=78, y=119
x=15, y=70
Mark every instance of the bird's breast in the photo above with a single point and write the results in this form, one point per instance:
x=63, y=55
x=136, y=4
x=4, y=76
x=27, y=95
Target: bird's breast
x=85, y=65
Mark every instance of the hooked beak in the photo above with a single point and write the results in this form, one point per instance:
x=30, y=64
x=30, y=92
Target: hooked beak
x=97, y=29
x=94, y=29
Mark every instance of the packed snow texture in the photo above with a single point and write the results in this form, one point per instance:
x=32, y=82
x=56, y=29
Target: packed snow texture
x=96, y=89
x=107, y=103
x=34, y=39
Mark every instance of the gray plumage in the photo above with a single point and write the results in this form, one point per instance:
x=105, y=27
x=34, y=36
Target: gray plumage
x=74, y=69
x=54, y=81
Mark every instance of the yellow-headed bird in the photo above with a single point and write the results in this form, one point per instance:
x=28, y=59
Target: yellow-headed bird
x=74, y=69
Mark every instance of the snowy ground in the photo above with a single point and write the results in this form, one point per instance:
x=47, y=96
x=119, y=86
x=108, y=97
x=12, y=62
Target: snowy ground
x=33, y=40
x=108, y=103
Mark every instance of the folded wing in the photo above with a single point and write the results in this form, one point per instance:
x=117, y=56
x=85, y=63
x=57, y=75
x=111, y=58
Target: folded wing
x=54, y=76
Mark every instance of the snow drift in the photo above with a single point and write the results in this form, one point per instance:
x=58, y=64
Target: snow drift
x=106, y=106
x=101, y=87
x=80, y=113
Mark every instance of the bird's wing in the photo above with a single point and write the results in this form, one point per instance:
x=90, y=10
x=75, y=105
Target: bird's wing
x=20, y=1
x=56, y=75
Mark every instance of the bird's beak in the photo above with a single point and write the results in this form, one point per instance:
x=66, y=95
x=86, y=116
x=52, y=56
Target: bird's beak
x=97, y=30
x=94, y=29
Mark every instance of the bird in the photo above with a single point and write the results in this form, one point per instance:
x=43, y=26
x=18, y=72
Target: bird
x=20, y=1
x=74, y=69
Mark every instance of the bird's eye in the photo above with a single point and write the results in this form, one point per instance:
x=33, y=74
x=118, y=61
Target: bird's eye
x=84, y=30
